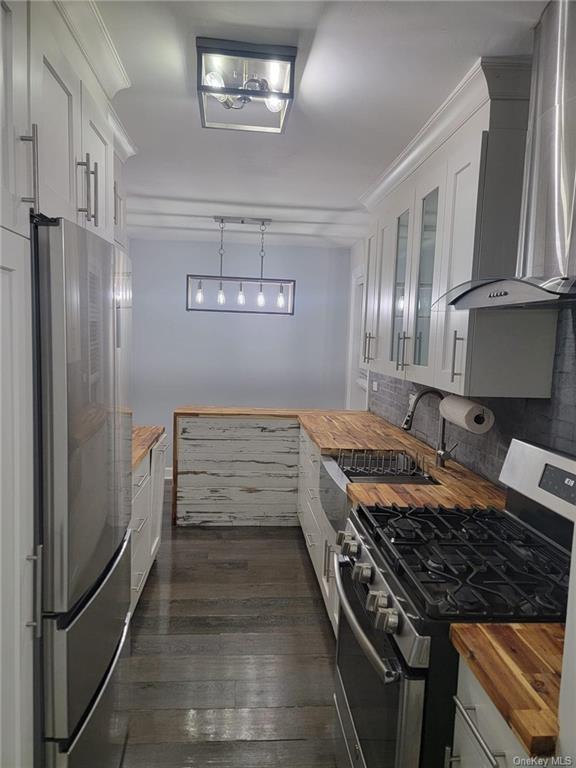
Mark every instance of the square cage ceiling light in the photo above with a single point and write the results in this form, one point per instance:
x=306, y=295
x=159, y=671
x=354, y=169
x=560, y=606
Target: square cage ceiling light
x=244, y=86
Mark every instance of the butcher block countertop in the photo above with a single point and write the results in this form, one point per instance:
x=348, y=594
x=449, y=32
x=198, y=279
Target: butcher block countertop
x=143, y=438
x=333, y=431
x=519, y=666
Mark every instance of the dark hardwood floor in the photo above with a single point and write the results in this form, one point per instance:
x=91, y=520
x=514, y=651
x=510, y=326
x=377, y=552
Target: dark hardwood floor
x=232, y=654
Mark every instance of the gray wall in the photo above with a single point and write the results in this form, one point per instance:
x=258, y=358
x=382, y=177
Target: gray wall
x=551, y=423
x=229, y=359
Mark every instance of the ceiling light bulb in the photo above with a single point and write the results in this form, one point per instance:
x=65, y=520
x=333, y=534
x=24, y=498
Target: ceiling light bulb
x=274, y=104
x=215, y=80
x=260, y=300
x=199, y=294
x=281, y=300
x=221, y=296
x=241, y=297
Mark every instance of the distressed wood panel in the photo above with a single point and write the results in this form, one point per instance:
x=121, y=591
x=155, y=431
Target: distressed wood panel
x=190, y=446
x=208, y=516
x=229, y=426
x=254, y=462
x=237, y=495
x=238, y=479
x=234, y=471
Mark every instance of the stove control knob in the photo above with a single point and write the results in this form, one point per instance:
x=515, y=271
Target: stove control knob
x=375, y=599
x=387, y=619
x=350, y=547
x=340, y=537
x=362, y=573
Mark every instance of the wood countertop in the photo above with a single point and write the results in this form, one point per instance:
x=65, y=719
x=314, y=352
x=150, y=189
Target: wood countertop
x=143, y=438
x=519, y=666
x=333, y=431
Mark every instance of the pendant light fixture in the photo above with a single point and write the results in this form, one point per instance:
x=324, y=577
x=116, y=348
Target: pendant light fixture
x=221, y=295
x=261, y=300
x=254, y=295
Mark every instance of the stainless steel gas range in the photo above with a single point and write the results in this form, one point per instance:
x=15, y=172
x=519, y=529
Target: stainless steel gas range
x=405, y=574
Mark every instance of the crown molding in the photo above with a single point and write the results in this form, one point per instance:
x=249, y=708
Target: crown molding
x=184, y=219
x=88, y=29
x=123, y=145
x=468, y=97
x=491, y=78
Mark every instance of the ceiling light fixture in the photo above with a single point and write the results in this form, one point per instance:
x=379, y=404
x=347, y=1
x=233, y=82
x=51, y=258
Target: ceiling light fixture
x=207, y=293
x=244, y=86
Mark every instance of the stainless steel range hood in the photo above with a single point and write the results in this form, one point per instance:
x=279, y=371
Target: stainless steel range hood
x=546, y=265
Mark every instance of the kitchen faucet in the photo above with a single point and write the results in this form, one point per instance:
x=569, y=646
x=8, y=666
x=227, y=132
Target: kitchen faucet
x=442, y=453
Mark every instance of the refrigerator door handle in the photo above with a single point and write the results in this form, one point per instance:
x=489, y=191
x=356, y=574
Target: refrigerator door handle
x=36, y=622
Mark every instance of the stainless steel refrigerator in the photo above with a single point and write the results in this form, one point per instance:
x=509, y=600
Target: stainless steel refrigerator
x=83, y=481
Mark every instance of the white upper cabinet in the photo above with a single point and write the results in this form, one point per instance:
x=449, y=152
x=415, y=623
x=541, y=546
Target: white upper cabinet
x=424, y=278
x=447, y=211
x=57, y=135
x=452, y=329
x=16, y=180
x=119, y=203
x=56, y=110
x=371, y=300
x=97, y=169
x=396, y=235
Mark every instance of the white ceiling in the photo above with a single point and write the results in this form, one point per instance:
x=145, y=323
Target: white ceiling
x=369, y=74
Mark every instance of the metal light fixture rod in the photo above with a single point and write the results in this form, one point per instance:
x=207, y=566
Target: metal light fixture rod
x=241, y=220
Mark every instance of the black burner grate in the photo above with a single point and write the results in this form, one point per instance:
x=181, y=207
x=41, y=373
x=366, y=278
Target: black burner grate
x=472, y=563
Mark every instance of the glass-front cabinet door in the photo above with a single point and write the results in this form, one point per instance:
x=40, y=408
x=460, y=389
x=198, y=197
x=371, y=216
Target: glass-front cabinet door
x=396, y=247
x=425, y=276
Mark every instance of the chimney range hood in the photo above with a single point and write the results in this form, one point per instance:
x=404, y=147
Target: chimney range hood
x=546, y=262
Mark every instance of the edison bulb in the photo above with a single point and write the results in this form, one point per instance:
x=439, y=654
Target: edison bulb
x=215, y=80
x=281, y=299
x=241, y=300
x=221, y=298
x=260, y=300
x=199, y=294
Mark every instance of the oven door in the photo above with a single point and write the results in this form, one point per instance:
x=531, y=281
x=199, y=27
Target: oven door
x=379, y=701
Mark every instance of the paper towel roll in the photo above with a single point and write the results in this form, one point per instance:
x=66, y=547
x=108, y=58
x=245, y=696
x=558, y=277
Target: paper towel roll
x=471, y=416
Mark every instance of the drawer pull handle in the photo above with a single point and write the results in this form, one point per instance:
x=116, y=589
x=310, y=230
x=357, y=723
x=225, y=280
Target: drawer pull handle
x=87, y=172
x=310, y=540
x=491, y=757
x=35, y=199
x=95, y=215
x=142, y=480
x=453, y=371
x=141, y=582
x=142, y=524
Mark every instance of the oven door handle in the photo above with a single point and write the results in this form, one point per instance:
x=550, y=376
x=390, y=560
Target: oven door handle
x=385, y=671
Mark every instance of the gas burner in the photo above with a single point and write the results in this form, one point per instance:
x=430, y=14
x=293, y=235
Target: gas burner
x=474, y=563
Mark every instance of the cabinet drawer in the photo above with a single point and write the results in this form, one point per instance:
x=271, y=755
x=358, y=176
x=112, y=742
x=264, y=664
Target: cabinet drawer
x=140, y=558
x=493, y=729
x=140, y=475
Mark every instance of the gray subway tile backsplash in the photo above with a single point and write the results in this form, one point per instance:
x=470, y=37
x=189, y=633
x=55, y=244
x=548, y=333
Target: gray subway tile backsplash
x=550, y=422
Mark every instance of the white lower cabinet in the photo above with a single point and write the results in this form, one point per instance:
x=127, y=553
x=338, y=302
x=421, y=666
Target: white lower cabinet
x=481, y=735
x=318, y=533
x=158, y=465
x=146, y=524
